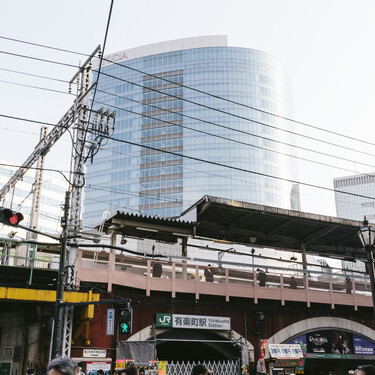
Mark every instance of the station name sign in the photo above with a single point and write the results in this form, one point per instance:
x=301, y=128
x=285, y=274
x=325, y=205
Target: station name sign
x=193, y=321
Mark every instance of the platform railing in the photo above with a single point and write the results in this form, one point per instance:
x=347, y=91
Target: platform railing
x=268, y=282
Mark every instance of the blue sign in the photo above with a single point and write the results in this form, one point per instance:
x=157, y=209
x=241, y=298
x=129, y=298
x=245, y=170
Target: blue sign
x=363, y=346
x=301, y=339
x=110, y=322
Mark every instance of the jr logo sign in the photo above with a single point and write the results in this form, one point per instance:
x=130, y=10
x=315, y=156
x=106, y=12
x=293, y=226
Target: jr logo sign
x=164, y=320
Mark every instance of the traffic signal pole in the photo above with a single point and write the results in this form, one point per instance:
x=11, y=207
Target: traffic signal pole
x=57, y=335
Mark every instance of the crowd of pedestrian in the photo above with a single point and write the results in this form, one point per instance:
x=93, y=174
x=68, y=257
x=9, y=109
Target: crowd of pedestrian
x=66, y=366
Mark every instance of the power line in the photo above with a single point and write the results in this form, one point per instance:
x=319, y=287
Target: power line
x=37, y=75
x=202, y=92
x=36, y=87
x=238, y=116
x=234, y=130
x=207, y=133
x=39, y=59
x=214, y=135
x=239, y=169
x=210, y=162
x=215, y=124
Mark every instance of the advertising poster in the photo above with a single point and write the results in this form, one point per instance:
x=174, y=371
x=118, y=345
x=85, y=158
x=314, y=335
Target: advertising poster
x=363, y=346
x=329, y=342
x=92, y=368
x=301, y=339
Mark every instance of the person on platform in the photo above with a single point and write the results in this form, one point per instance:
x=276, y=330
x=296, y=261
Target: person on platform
x=365, y=370
x=293, y=283
x=200, y=370
x=208, y=274
x=262, y=277
x=62, y=366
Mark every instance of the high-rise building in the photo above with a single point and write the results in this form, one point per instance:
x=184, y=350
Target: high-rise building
x=360, y=201
x=193, y=117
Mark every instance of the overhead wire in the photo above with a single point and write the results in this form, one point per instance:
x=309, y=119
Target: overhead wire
x=234, y=130
x=228, y=100
x=239, y=116
x=221, y=126
x=239, y=169
x=216, y=135
x=232, y=114
x=226, y=166
x=193, y=89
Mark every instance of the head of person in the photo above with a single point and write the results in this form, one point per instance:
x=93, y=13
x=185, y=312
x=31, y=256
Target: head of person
x=365, y=370
x=141, y=371
x=100, y=372
x=62, y=366
x=79, y=367
x=200, y=370
x=128, y=371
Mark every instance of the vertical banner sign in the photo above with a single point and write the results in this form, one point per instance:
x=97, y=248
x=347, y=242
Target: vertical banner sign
x=261, y=364
x=110, y=322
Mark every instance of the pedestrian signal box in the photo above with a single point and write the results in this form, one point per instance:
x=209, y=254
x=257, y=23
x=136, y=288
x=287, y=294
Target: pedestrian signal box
x=125, y=317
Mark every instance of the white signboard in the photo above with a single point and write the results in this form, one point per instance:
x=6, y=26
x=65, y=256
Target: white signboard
x=193, y=321
x=8, y=351
x=285, y=351
x=94, y=353
x=110, y=321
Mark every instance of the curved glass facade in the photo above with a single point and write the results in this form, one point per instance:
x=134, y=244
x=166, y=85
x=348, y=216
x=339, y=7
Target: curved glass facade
x=178, y=144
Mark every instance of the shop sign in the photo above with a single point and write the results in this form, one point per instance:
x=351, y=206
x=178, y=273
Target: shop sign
x=8, y=351
x=286, y=362
x=301, y=363
x=261, y=364
x=93, y=368
x=110, y=321
x=285, y=351
x=193, y=321
x=94, y=353
x=335, y=356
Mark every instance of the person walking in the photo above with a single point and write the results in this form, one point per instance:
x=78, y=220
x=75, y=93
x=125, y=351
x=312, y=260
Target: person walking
x=62, y=366
x=365, y=370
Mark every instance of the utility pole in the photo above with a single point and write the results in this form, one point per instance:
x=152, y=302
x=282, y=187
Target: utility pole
x=78, y=116
x=57, y=337
x=35, y=205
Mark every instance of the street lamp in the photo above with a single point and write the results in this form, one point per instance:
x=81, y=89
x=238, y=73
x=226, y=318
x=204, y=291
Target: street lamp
x=367, y=236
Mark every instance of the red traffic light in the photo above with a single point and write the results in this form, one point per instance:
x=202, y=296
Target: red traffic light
x=10, y=217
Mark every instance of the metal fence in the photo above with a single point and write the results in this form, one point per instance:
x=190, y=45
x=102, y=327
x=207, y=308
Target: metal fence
x=232, y=367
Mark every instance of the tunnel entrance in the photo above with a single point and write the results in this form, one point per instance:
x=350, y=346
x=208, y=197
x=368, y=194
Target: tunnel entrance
x=195, y=345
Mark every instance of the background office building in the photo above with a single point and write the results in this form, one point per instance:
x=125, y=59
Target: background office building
x=192, y=118
x=361, y=203
x=19, y=199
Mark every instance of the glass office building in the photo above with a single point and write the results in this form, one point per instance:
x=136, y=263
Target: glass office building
x=192, y=118
x=354, y=197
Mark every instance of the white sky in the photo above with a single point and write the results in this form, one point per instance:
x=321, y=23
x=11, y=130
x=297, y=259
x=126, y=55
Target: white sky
x=326, y=46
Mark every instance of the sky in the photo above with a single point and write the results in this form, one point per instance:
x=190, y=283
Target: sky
x=326, y=47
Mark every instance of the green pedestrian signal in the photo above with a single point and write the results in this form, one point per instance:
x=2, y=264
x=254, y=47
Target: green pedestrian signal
x=124, y=328
x=125, y=321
